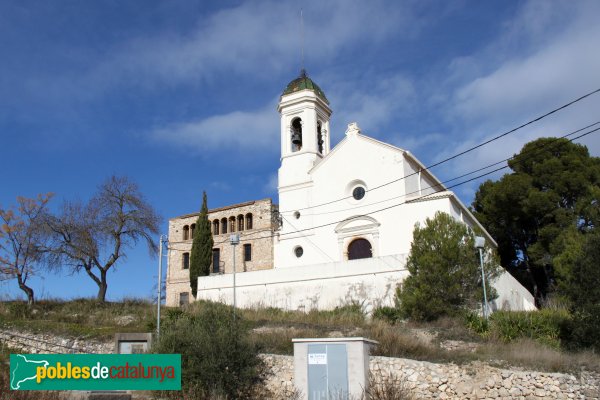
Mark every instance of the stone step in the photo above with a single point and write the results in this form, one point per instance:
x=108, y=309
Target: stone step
x=109, y=395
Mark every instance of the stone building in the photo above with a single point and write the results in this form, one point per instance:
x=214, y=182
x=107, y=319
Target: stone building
x=252, y=220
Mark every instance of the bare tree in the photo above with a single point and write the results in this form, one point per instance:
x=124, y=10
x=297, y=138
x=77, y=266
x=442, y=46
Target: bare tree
x=93, y=237
x=22, y=239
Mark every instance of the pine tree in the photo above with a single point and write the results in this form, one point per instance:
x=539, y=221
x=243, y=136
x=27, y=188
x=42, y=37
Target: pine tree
x=549, y=200
x=201, y=247
x=444, y=271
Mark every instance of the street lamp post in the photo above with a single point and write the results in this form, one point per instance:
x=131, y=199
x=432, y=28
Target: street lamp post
x=234, y=240
x=479, y=244
x=160, y=254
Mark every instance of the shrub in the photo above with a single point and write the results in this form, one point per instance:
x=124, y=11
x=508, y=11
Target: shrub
x=477, y=324
x=217, y=357
x=19, y=309
x=352, y=312
x=543, y=326
x=583, y=330
x=386, y=313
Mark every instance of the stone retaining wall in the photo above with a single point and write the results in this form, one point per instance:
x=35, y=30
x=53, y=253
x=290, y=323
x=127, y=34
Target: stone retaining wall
x=45, y=343
x=448, y=381
x=425, y=380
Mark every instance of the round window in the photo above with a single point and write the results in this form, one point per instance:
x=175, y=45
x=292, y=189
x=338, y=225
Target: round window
x=299, y=251
x=358, y=193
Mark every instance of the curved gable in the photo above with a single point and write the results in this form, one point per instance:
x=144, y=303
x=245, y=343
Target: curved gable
x=357, y=223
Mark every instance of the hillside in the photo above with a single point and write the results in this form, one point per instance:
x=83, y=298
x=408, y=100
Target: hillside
x=85, y=326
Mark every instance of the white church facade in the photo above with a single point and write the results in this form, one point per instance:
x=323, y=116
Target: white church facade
x=346, y=217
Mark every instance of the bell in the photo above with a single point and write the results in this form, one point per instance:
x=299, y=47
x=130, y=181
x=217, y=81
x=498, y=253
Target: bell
x=296, y=139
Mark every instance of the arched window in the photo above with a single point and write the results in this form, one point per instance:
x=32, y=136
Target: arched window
x=231, y=224
x=359, y=248
x=249, y=221
x=240, y=221
x=192, y=230
x=296, y=134
x=186, y=232
x=216, y=227
x=223, y=225
x=320, y=140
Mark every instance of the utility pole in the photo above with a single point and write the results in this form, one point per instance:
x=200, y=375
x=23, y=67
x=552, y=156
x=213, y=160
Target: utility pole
x=234, y=240
x=479, y=244
x=160, y=254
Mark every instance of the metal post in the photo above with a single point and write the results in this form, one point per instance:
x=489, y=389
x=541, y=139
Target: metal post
x=485, y=304
x=234, y=240
x=160, y=249
x=234, y=300
x=480, y=244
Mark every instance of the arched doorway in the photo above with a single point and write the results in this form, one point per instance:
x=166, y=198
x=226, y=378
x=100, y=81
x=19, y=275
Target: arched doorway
x=359, y=248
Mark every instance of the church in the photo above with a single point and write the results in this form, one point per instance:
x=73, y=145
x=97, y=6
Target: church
x=342, y=229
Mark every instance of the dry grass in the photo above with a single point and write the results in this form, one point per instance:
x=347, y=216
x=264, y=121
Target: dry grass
x=392, y=388
x=80, y=317
x=279, y=340
x=274, y=330
x=529, y=353
x=348, y=316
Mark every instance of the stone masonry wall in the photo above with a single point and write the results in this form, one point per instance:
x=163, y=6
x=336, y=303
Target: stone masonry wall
x=448, y=381
x=424, y=379
x=44, y=343
x=259, y=238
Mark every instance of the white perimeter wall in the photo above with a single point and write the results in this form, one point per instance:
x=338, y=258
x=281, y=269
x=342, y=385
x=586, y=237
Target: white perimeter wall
x=511, y=295
x=371, y=281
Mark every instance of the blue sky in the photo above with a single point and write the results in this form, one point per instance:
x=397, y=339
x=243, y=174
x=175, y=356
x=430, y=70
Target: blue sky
x=181, y=95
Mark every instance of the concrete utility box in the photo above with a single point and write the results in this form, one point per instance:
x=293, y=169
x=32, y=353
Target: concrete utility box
x=332, y=368
x=132, y=343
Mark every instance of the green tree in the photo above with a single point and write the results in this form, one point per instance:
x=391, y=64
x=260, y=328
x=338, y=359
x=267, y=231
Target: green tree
x=22, y=239
x=445, y=274
x=202, y=245
x=534, y=212
x=582, y=289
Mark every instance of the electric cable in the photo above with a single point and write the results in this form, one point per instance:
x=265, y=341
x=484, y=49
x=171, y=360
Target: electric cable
x=539, y=118
x=463, y=175
x=520, y=158
x=420, y=197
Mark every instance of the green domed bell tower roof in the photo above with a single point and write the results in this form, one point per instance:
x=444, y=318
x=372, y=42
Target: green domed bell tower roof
x=303, y=82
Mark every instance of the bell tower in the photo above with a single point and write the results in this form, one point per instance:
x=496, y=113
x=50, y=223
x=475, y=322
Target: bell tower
x=305, y=137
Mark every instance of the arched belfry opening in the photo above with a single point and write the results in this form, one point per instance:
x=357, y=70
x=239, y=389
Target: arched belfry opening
x=320, y=140
x=296, y=134
x=359, y=248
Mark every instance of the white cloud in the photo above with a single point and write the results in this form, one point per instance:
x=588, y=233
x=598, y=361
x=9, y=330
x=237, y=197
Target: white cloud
x=271, y=184
x=553, y=71
x=545, y=57
x=232, y=133
x=256, y=37
x=372, y=104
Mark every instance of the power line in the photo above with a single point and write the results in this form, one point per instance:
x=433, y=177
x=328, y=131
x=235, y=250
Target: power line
x=423, y=196
x=310, y=241
x=519, y=158
x=539, y=118
x=466, y=174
